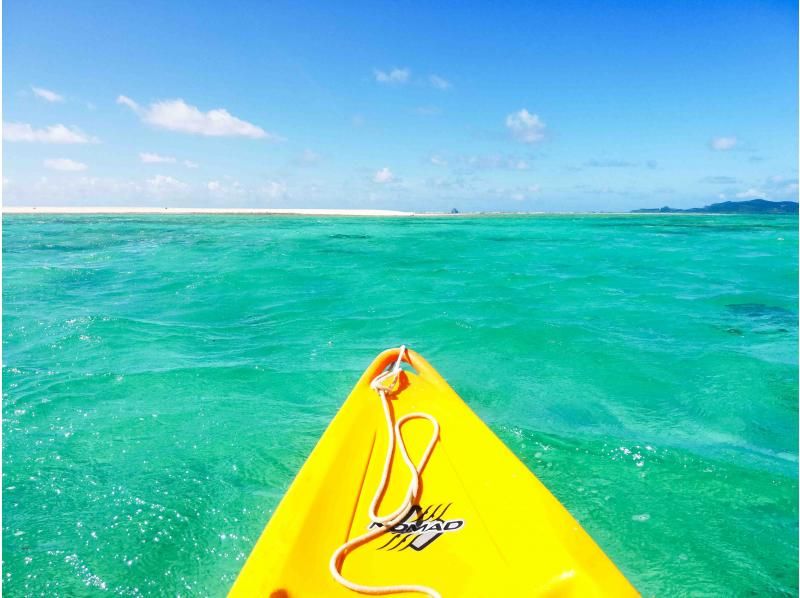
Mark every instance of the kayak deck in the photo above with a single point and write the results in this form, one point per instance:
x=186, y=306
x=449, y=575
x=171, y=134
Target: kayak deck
x=484, y=525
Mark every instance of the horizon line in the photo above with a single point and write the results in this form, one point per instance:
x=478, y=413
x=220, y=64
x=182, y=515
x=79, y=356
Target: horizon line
x=152, y=210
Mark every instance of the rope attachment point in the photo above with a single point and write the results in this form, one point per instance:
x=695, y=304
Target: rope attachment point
x=387, y=384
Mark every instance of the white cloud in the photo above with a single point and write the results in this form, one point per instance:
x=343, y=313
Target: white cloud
x=777, y=179
x=525, y=127
x=384, y=175
x=148, y=158
x=214, y=186
x=394, y=77
x=64, y=165
x=439, y=83
x=438, y=161
x=273, y=189
x=152, y=158
x=126, y=101
x=52, y=134
x=47, y=95
x=751, y=193
x=165, y=184
x=722, y=144
x=177, y=115
x=776, y=188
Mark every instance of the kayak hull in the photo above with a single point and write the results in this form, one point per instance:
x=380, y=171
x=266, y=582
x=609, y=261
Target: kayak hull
x=484, y=525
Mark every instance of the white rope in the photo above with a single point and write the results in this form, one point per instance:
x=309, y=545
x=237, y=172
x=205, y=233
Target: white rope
x=385, y=384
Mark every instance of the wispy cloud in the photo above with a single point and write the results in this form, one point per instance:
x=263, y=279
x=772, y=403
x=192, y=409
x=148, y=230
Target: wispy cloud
x=518, y=193
x=152, y=158
x=126, y=101
x=308, y=158
x=523, y=193
x=162, y=184
x=439, y=82
x=608, y=164
x=230, y=188
x=612, y=163
x=721, y=144
x=774, y=187
x=394, y=77
x=719, y=180
x=47, y=95
x=177, y=115
x=525, y=127
x=428, y=110
x=161, y=190
x=470, y=164
x=148, y=158
x=612, y=190
x=495, y=162
x=234, y=189
x=751, y=193
x=64, y=165
x=383, y=176
x=458, y=183
x=272, y=190
x=782, y=187
x=75, y=190
x=52, y=134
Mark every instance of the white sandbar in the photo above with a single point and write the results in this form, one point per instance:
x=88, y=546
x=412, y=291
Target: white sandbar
x=153, y=210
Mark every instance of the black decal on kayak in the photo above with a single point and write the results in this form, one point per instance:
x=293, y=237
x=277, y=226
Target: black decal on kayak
x=420, y=528
x=393, y=542
x=425, y=512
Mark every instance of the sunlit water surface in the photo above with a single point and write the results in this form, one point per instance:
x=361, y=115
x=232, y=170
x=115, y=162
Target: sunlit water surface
x=164, y=378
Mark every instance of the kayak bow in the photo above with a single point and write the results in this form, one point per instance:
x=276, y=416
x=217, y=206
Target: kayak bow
x=478, y=524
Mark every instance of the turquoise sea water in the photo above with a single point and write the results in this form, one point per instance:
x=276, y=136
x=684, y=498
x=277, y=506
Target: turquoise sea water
x=164, y=378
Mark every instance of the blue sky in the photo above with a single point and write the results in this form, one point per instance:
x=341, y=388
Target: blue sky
x=558, y=106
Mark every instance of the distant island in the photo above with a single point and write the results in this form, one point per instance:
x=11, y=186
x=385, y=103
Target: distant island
x=753, y=206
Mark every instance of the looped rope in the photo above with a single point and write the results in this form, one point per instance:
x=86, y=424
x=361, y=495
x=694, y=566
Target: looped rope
x=387, y=384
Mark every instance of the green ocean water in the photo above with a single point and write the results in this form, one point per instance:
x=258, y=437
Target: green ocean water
x=164, y=379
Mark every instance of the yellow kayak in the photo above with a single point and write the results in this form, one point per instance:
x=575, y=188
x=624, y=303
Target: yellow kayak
x=471, y=521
